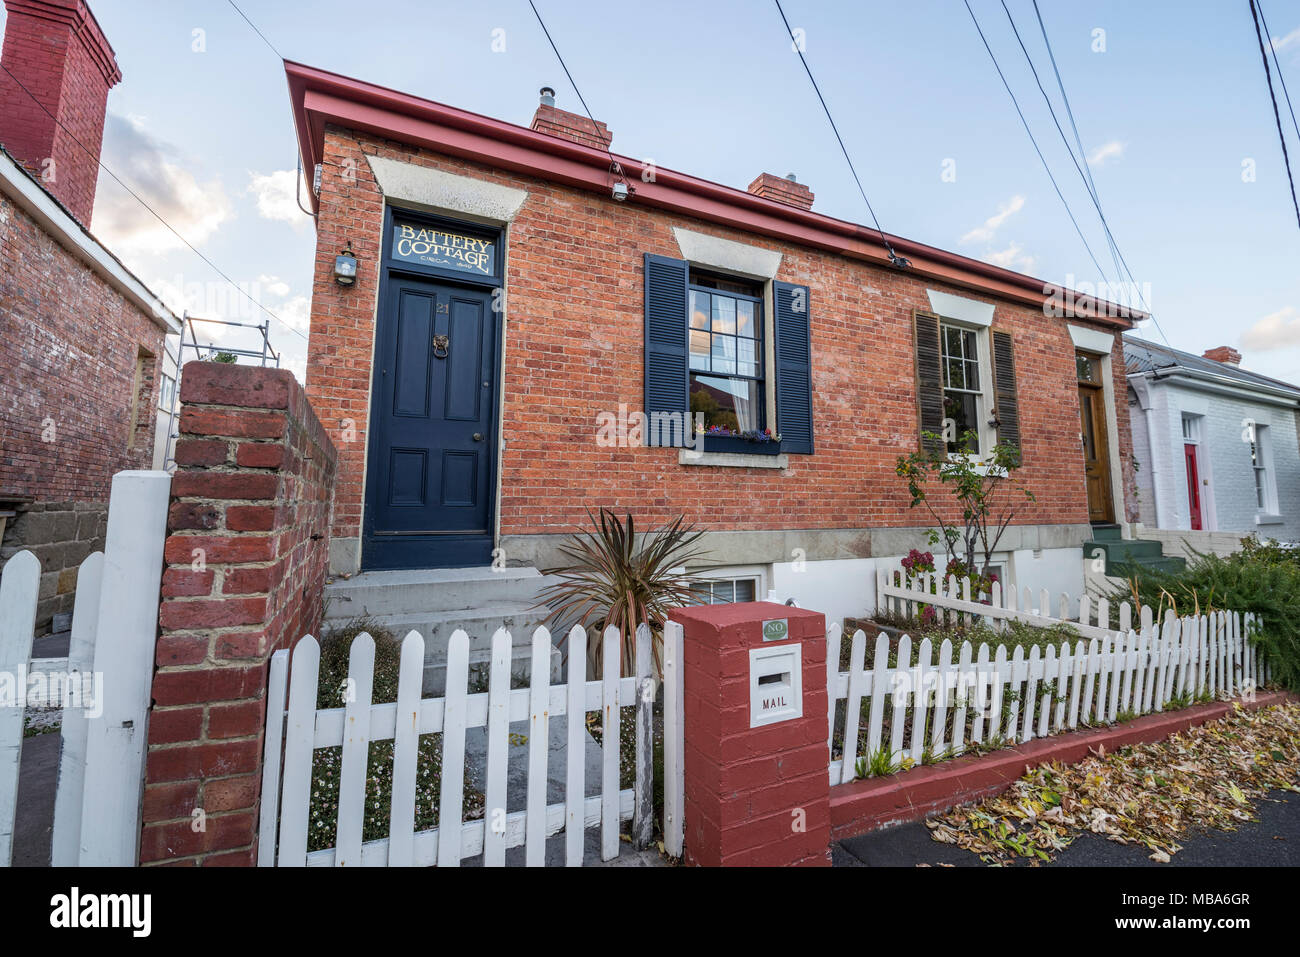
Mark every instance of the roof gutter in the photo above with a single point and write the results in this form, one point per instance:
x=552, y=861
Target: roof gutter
x=1221, y=382
x=319, y=97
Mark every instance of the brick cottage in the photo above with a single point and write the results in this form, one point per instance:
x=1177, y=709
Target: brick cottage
x=80, y=335
x=510, y=317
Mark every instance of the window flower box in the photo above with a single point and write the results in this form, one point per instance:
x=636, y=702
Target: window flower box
x=740, y=445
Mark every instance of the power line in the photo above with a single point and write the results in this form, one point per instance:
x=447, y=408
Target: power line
x=1281, y=78
x=255, y=30
x=1121, y=264
x=1025, y=123
x=894, y=258
x=1087, y=178
x=117, y=179
x=1277, y=117
x=1096, y=198
x=615, y=167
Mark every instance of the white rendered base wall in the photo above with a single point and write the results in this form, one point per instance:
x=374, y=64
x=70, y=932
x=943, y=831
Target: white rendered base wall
x=846, y=588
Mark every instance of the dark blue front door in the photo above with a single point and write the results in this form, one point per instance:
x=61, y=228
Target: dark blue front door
x=431, y=470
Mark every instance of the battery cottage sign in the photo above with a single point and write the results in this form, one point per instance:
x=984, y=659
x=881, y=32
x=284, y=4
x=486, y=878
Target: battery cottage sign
x=444, y=248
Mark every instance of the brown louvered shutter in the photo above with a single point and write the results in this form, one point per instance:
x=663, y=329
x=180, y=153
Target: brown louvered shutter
x=1004, y=390
x=929, y=381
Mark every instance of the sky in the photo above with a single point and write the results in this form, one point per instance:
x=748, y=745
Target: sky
x=1170, y=100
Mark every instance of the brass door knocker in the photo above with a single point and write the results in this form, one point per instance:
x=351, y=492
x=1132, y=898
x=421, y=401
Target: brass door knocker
x=440, y=346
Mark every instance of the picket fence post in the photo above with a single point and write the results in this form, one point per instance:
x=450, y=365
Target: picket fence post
x=643, y=808
x=124, y=655
x=19, y=588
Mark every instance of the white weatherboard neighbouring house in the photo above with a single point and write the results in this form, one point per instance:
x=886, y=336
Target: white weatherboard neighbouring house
x=1215, y=445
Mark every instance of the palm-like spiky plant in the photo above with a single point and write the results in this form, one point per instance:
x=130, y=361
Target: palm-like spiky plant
x=612, y=579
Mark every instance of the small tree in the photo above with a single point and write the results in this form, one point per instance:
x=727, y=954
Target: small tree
x=976, y=487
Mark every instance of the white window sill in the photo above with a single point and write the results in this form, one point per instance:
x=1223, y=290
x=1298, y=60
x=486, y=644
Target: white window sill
x=732, y=459
x=1265, y=519
x=981, y=465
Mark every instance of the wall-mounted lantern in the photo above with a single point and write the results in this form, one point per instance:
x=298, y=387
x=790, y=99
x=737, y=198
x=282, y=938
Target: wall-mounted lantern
x=345, y=266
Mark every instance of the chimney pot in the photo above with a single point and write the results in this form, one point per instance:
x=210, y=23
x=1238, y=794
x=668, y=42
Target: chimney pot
x=1225, y=354
x=547, y=96
x=56, y=49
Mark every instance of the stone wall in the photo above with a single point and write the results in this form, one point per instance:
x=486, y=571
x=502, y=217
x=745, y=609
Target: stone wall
x=60, y=535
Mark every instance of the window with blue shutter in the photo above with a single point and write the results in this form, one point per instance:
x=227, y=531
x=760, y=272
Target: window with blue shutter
x=792, y=321
x=666, y=378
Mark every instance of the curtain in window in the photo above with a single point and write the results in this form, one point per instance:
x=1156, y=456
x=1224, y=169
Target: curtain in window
x=745, y=391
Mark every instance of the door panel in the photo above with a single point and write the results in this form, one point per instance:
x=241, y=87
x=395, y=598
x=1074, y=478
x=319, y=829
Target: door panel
x=1193, y=484
x=1096, y=453
x=433, y=428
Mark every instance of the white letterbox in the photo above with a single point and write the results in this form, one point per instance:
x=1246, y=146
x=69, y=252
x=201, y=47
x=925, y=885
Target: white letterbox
x=775, y=684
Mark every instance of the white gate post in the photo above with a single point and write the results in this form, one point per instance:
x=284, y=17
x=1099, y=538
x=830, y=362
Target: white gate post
x=124, y=653
x=69, y=797
x=19, y=588
x=674, y=796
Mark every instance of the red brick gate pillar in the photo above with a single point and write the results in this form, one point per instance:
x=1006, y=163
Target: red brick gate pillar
x=246, y=555
x=755, y=752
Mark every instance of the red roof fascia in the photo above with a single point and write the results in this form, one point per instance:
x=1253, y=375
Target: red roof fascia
x=319, y=97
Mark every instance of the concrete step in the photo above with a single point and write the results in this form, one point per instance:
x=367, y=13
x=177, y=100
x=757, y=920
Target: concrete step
x=1107, y=533
x=481, y=623
x=419, y=591
x=1121, y=551
x=434, y=682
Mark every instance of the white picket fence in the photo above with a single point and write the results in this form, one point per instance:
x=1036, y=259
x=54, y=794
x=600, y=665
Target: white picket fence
x=110, y=657
x=929, y=702
x=296, y=733
x=952, y=600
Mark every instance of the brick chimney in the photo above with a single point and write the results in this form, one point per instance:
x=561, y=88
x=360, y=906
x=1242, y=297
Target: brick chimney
x=1223, y=354
x=553, y=121
x=57, y=51
x=786, y=190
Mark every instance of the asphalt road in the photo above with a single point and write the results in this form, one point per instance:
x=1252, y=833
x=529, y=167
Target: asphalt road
x=1272, y=841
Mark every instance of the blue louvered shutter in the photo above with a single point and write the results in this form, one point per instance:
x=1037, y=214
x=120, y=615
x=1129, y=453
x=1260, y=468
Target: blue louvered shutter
x=666, y=378
x=793, y=324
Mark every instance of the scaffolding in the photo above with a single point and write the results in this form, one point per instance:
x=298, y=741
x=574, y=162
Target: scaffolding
x=266, y=355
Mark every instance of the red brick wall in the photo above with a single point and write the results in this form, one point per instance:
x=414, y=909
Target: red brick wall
x=68, y=348
x=57, y=51
x=574, y=349
x=246, y=556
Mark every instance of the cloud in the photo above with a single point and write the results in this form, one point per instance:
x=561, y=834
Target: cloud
x=1277, y=330
x=151, y=168
x=296, y=312
x=1011, y=258
x=1292, y=39
x=277, y=197
x=274, y=285
x=1005, y=211
x=1112, y=150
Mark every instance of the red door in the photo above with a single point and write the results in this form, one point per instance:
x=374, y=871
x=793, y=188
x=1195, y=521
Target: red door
x=1193, y=485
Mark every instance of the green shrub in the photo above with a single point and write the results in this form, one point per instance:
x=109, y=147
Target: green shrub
x=1263, y=580
x=336, y=646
